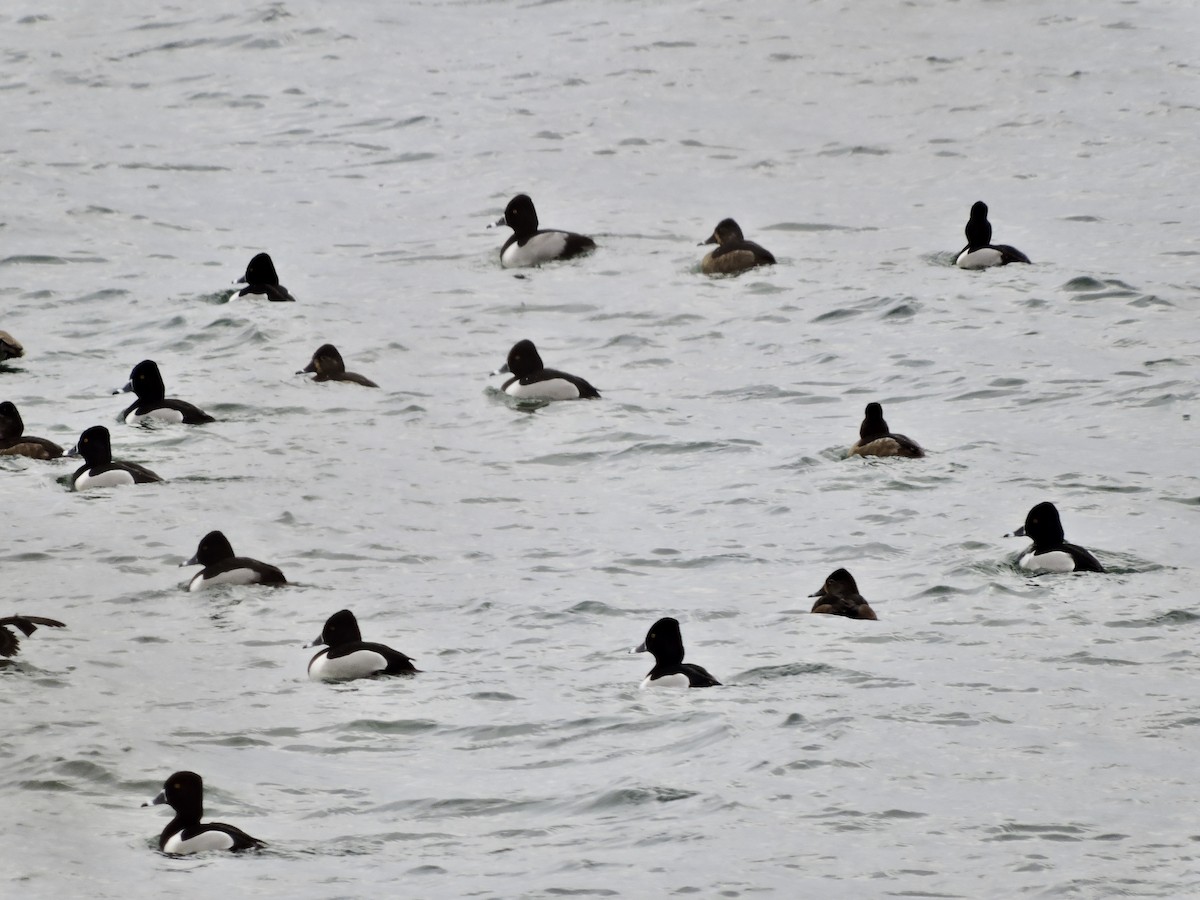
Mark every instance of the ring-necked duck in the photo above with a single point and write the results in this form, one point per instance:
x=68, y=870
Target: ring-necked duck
x=839, y=596
x=347, y=656
x=99, y=469
x=527, y=246
x=10, y=347
x=531, y=380
x=666, y=643
x=27, y=625
x=222, y=567
x=874, y=438
x=14, y=441
x=146, y=381
x=1050, y=551
x=980, y=252
x=734, y=253
x=184, y=793
x=328, y=365
x=260, y=278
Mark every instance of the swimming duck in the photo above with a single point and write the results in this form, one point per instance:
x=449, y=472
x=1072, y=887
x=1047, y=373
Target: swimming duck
x=1050, y=551
x=146, y=381
x=839, y=596
x=215, y=553
x=665, y=642
x=874, y=438
x=347, y=656
x=734, y=253
x=980, y=253
x=260, y=278
x=328, y=365
x=184, y=793
x=99, y=469
x=14, y=441
x=529, y=246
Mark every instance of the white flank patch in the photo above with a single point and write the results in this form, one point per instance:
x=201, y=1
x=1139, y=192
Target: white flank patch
x=359, y=664
x=554, y=389
x=204, y=841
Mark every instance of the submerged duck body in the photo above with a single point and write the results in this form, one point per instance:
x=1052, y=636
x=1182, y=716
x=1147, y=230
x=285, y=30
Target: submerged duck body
x=261, y=280
x=184, y=793
x=1050, y=551
x=733, y=253
x=665, y=642
x=152, y=402
x=875, y=439
x=839, y=596
x=99, y=469
x=27, y=625
x=980, y=252
x=327, y=364
x=530, y=246
x=221, y=566
x=15, y=442
x=531, y=380
x=347, y=656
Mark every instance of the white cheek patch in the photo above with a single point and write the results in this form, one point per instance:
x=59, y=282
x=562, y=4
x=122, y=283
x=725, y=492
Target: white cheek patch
x=111, y=478
x=554, y=389
x=667, y=681
x=204, y=841
x=359, y=664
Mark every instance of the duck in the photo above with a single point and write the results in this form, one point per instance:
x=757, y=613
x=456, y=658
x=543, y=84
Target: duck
x=529, y=246
x=980, y=252
x=99, y=469
x=184, y=793
x=260, y=278
x=531, y=380
x=10, y=347
x=146, y=381
x=1050, y=551
x=221, y=566
x=875, y=439
x=14, y=441
x=734, y=253
x=328, y=365
x=665, y=642
x=27, y=625
x=839, y=596
x=347, y=656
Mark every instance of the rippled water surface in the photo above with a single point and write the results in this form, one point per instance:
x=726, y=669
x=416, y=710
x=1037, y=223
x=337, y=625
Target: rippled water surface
x=992, y=735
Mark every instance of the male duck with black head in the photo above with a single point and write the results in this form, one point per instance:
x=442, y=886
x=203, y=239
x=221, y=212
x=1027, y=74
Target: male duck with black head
x=261, y=280
x=875, y=439
x=328, y=365
x=980, y=252
x=531, y=380
x=665, y=642
x=152, y=402
x=99, y=469
x=839, y=596
x=15, y=442
x=734, y=253
x=221, y=566
x=1050, y=551
x=530, y=246
x=347, y=656
x=184, y=793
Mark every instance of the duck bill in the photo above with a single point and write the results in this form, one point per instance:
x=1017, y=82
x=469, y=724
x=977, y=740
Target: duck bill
x=74, y=451
x=500, y=221
x=640, y=648
x=159, y=799
x=503, y=370
x=310, y=368
x=1020, y=532
x=190, y=562
x=316, y=642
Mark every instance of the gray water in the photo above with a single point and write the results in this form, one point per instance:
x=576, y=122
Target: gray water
x=992, y=735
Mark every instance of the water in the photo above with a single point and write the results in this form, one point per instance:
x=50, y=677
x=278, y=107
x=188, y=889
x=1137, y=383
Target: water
x=993, y=735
